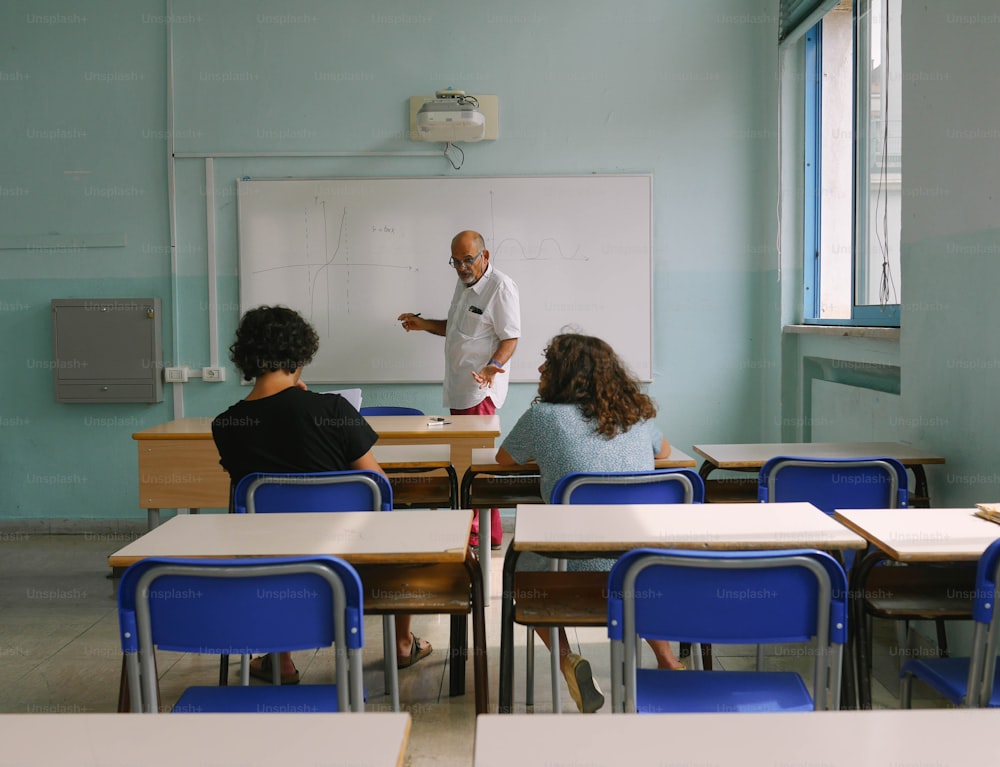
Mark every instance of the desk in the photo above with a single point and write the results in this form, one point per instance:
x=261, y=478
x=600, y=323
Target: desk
x=409, y=562
x=179, y=465
x=486, y=484
x=254, y=740
x=938, y=737
x=751, y=457
x=905, y=535
x=558, y=530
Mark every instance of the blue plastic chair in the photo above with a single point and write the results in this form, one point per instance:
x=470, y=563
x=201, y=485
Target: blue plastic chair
x=973, y=681
x=351, y=490
x=658, y=486
x=834, y=483
x=745, y=597
x=242, y=606
x=390, y=410
x=902, y=594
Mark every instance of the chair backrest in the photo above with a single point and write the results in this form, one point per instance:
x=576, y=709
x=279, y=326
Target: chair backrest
x=730, y=597
x=659, y=486
x=834, y=483
x=237, y=607
x=353, y=490
x=986, y=634
x=390, y=410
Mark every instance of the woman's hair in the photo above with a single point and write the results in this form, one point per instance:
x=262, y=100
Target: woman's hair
x=272, y=338
x=585, y=371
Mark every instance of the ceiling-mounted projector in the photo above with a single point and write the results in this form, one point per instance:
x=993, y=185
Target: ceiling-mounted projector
x=452, y=118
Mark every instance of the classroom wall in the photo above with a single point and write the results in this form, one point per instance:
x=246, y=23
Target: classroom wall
x=686, y=91
x=936, y=386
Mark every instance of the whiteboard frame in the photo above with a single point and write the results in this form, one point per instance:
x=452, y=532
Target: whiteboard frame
x=522, y=373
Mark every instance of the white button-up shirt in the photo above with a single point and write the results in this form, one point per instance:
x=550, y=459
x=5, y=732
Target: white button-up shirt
x=480, y=317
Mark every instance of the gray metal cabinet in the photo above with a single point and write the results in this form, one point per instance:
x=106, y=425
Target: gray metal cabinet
x=106, y=350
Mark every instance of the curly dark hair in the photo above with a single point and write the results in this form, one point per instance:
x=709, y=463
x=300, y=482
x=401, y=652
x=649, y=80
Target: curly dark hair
x=272, y=338
x=586, y=372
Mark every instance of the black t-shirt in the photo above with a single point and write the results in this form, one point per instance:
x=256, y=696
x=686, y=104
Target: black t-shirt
x=293, y=430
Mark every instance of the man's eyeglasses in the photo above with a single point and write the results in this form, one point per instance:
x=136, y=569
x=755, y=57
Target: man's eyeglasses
x=454, y=263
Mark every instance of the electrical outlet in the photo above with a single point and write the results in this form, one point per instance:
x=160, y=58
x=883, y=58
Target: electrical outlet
x=213, y=374
x=175, y=375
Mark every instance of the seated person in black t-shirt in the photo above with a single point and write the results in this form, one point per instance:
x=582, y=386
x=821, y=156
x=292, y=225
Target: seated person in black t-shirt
x=282, y=427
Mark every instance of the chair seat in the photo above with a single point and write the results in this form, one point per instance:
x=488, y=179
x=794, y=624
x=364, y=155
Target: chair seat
x=720, y=691
x=949, y=677
x=257, y=699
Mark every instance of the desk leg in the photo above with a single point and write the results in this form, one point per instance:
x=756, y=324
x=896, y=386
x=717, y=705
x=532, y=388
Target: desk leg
x=506, y=698
x=858, y=635
x=920, y=489
x=480, y=669
x=124, y=699
x=458, y=651
x=706, y=468
x=485, y=557
x=152, y=518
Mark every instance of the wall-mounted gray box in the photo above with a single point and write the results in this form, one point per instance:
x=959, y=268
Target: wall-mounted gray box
x=106, y=350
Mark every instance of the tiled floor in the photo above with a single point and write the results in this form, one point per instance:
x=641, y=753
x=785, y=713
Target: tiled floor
x=59, y=650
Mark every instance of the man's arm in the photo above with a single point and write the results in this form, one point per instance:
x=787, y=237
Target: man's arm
x=416, y=322
x=497, y=363
x=367, y=462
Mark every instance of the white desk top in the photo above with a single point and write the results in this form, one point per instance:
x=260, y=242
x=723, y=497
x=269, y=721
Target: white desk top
x=755, y=455
x=938, y=737
x=377, y=739
x=553, y=528
x=412, y=456
x=923, y=534
x=360, y=537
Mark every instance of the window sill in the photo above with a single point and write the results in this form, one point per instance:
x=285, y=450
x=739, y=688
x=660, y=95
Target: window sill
x=848, y=331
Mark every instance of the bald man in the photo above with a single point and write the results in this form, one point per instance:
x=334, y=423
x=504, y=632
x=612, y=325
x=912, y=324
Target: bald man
x=481, y=332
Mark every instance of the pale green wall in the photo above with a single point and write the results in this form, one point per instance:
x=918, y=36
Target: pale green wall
x=947, y=360
x=685, y=90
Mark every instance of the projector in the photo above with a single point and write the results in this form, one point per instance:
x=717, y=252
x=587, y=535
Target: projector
x=450, y=119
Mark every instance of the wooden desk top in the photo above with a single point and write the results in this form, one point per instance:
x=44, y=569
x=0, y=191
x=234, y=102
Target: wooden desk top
x=360, y=537
x=484, y=461
x=377, y=739
x=927, y=535
x=755, y=455
x=723, y=526
x=388, y=426
x=939, y=737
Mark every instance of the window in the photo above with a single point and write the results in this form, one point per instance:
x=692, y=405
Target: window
x=853, y=165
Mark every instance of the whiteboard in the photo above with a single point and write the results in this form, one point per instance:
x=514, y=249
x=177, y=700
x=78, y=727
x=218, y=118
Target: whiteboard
x=352, y=254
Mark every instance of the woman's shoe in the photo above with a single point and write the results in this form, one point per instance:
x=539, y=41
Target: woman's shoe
x=583, y=688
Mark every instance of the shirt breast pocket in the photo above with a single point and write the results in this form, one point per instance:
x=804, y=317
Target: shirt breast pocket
x=472, y=325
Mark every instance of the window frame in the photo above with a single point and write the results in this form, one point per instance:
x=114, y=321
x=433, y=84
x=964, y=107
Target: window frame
x=871, y=315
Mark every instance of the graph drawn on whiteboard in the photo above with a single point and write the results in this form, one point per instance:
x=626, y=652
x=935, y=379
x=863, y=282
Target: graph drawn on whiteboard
x=352, y=254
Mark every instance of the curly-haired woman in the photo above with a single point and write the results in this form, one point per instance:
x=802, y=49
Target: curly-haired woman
x=282, y=427
x=590, y=415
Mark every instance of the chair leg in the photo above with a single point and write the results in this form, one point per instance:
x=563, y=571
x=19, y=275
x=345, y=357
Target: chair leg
x=556, y=670
x=905, y=691
x=760, y=657
x=390, y=670
x=942, y=637
x=529, y=668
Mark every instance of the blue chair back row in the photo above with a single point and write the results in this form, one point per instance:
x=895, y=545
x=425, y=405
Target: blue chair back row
x=659, y=486
x=242, y=606
x=972, y=681
x=834, y=483
x=354, y=490
x=743, y=597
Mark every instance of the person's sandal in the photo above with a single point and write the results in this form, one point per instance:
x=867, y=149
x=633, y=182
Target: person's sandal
x=416, y=654
x=583, y=688
x=262, y=671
